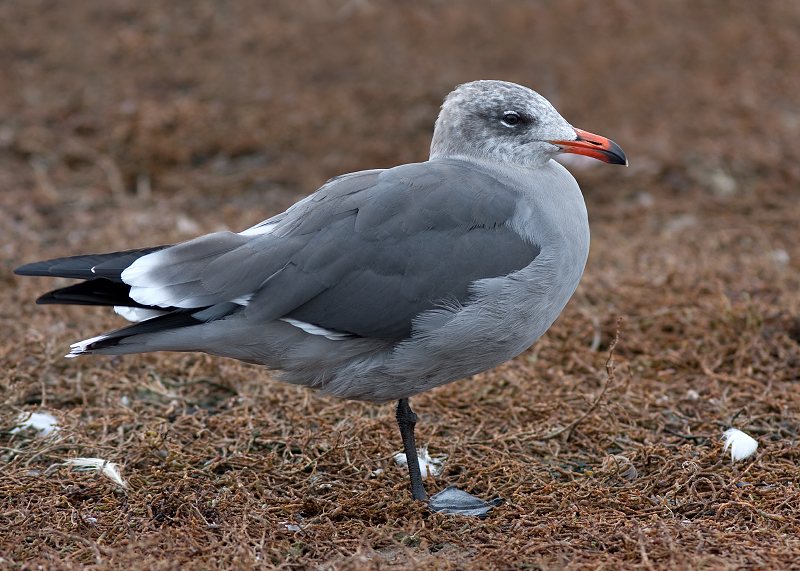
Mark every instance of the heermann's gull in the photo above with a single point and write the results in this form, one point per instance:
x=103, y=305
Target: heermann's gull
x=383, y=283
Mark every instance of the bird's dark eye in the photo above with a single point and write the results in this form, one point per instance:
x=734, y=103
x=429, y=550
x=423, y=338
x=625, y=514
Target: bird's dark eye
x=511, y=118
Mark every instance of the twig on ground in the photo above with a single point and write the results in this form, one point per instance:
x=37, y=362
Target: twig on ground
x=570, y=428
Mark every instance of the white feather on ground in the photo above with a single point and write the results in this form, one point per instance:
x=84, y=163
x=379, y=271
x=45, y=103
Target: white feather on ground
x=45, y=423
x=742, y=445
x=426, y=463
x=110, y=469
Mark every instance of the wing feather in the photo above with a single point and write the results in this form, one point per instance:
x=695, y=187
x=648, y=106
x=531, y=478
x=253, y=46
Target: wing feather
x=365, y=255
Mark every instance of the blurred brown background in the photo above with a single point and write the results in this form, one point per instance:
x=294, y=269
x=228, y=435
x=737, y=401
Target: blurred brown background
x=133, y=123
x=234, y=97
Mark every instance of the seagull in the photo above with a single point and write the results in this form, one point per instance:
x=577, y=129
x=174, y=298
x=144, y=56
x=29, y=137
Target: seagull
x=383, y=283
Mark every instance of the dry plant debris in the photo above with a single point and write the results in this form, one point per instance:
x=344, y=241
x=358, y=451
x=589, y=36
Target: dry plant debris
x=129, y=123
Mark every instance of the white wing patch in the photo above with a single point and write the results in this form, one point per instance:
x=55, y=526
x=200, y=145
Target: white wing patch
x=137, y=313
x=139, y=275
x=136, y=273
x=158, y=297
x=79, y=348
x=317, y=330
x=260, y=229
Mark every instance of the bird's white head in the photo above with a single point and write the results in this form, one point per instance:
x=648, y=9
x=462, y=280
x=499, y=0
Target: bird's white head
x=502, y=121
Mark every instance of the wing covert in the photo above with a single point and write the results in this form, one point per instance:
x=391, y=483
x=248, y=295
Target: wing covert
x=365, y=254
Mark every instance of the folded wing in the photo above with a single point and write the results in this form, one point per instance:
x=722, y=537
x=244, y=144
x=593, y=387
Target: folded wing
x=365, y=255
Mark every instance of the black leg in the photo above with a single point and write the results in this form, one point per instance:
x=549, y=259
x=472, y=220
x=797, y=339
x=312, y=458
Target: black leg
x=449, y=500
x=406, y=420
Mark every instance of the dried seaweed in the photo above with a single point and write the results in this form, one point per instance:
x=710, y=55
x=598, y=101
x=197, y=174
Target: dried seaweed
x=134, y=124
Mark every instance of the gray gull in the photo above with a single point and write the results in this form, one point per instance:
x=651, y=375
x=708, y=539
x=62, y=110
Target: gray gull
x=383, y=283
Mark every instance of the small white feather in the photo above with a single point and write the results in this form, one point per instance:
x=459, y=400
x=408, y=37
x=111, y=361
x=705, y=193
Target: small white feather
x=110, y=469
x=79, y=348
x=742, y=445
x=426, y=463
x=46, y=424
x=316, y=330
x=156, y=296
x=259, y=229
x=242, y=299
x=136, y=313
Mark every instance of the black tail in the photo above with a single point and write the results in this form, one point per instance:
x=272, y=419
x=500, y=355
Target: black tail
x=87, y=267
x=103, y=285
x=93, y=292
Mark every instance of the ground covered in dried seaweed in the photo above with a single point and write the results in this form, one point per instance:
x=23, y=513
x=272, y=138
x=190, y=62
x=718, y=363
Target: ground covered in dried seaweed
x=127, y=124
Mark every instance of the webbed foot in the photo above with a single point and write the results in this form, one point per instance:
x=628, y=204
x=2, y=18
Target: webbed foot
x=451, y=500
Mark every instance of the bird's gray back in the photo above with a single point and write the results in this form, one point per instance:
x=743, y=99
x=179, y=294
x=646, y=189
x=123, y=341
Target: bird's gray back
x=365, y=255
x=432, y=272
